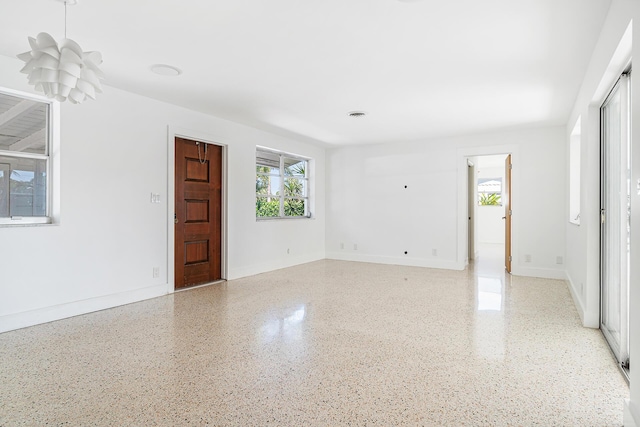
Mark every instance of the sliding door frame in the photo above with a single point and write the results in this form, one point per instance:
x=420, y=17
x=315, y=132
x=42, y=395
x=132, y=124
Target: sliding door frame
x=615, y=192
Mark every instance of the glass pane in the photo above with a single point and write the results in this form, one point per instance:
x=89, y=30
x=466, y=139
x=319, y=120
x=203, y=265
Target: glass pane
x=615, y=202
x=262, y=184
x=267, y=185
x=268, y=160
x=294, y=207
x=295, y=167
x=574, y=173
x=267, y=170
x=489, y=199
x=295, y=187
x=25, y=126
x=614, y=192
x=27, y=189
x=490, y=191
x=5, y=170
x=267, y=207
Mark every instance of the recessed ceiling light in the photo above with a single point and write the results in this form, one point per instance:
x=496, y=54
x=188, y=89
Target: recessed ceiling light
x=165, y=70
x=357, y=114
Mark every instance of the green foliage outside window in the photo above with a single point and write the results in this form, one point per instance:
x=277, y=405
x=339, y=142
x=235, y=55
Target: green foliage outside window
x=268, y=199
x=490, y=199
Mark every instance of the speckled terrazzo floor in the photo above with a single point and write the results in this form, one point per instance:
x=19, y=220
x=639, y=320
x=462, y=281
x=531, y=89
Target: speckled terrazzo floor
x=329, y=343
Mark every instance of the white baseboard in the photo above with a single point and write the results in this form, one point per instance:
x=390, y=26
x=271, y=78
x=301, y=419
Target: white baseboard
x=410, y=262
x=49, y=314
x=252, y=270
x=576, y=299
x=631, y=417
x=544, y=273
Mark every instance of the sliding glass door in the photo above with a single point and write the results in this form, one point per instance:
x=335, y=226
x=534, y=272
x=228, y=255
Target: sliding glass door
x=615, y=209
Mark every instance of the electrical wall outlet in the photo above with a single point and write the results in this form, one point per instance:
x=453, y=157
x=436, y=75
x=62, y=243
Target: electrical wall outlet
x=434, y=252
x=156, y=272
x=559, y=260
x=527, y=258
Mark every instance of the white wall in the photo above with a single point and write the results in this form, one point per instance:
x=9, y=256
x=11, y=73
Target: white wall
x=616, y=44
x=368, y=205
x=489, y=220
x=490, y=225
x=108, y=236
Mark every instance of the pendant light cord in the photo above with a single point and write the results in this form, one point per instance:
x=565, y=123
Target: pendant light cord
x=65, y=19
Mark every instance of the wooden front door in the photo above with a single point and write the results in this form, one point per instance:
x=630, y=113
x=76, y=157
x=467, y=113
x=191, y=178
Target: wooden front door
x=507, y=214
x=198, y=213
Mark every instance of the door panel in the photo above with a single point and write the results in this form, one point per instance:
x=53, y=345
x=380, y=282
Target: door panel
x=507, y=214
x=195, y=171
x=198, y=213
x=614, y=218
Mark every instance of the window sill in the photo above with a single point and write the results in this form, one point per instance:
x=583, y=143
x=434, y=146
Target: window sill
x=267, y=219
x=26, y=222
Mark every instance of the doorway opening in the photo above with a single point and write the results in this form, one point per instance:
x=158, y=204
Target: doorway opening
x=489, y=230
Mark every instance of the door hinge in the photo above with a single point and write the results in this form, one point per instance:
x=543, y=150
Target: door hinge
x=510, y=166
x=602, y=216
x=510, y=259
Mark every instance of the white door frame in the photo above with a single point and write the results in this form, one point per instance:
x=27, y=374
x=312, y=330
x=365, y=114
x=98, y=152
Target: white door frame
x=471, y=211
x=172, y=133
x=463, y=154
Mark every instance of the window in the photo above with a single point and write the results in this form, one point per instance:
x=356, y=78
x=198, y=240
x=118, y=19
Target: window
x=24, y=159
x=574, y=174
x=490, y=191
x=282, y=185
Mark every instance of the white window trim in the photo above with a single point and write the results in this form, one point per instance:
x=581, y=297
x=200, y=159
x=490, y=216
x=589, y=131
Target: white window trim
x=53, y=163
x=307, y=197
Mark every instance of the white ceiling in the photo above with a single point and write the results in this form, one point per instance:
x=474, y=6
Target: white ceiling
x=420, y=69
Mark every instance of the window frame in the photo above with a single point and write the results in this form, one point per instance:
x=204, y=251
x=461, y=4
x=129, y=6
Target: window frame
x=282, y=176
x=575, y=150
x=52, y=115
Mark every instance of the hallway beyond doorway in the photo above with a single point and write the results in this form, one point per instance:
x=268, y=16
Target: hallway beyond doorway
x=490, y=259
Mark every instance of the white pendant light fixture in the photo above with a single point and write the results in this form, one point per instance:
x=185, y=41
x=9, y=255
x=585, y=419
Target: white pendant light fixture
x=62, y=71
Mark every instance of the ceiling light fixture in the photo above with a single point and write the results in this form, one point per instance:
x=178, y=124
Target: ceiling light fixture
x=62, y=71
x=357, y=114
x=165, y=70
